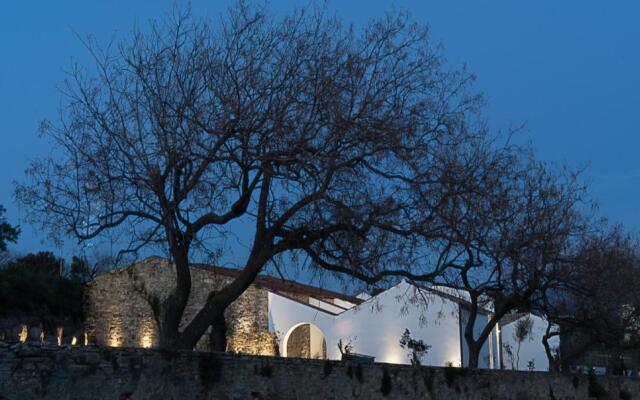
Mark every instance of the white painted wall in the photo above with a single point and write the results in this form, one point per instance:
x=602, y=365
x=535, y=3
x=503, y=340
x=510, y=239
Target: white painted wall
x=286, y=314
x=375, y=326
x=532, y=348
x=379, y=323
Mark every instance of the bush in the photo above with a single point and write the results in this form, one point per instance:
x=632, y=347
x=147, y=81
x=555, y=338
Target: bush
x=39, y=294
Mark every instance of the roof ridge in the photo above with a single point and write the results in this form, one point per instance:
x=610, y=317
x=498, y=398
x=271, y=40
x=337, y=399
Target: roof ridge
x=268, y=281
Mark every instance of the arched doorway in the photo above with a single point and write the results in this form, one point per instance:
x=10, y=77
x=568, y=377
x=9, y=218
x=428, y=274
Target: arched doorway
x=305, y=341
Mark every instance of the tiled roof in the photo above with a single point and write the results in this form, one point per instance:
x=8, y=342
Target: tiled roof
x=270, y=283
x=282, y=285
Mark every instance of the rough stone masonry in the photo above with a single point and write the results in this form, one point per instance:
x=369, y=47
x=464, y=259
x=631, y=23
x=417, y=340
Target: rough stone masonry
x=119, y=305
x=32, y=371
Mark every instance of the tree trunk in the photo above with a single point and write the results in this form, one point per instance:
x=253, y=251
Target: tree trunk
x=554, y=365
x=167, y=339
x=218, y=336
x=474, y=354
x=473, y=346
x=172, y=308
x=169, y=336
x=217, y=304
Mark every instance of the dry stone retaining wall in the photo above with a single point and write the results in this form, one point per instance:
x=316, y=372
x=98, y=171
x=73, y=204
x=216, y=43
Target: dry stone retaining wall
x=30, y=371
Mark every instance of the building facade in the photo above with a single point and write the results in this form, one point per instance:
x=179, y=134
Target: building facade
x=278, y=317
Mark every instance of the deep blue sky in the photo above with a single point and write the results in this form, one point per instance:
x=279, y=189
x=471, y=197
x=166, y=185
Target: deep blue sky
x=570, y=70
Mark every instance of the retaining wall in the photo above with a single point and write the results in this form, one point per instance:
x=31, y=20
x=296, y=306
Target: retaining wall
x=34, y=371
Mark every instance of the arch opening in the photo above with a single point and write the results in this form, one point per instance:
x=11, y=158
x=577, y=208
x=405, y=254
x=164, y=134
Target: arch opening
x=305, y=340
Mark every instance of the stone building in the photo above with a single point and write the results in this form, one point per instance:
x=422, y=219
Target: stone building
x=278, y=317
x=119, y=312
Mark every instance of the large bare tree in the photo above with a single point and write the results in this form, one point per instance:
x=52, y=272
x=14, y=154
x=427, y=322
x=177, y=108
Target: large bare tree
x=599, y=306
x=316, y=134
x=512, y=230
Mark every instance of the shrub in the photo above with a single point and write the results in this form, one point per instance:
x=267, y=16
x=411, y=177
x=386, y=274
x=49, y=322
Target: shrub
x=38, y=293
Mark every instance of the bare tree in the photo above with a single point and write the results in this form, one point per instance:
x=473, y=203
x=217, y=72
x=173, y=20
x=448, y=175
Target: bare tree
x=522, y=332
x=512, y=226
x=85, y=268
x=600, y=304
x=314, y=134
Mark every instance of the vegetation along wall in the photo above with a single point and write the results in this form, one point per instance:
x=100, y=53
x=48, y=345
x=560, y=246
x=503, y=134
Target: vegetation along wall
x=33, y=371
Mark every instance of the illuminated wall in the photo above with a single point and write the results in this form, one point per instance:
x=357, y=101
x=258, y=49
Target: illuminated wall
x=259, y=321
x=531, y=349
x=375, y=326
x=119, y=314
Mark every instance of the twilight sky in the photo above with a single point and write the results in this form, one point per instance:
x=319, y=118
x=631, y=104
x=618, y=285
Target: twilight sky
x=569, y=70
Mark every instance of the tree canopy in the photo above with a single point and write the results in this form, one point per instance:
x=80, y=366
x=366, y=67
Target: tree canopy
x=599, y=305
x=362, y=151
x=316, y=133
x=34, y=286
x=8, y=233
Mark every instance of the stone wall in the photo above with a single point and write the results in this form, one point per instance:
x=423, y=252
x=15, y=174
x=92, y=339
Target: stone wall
x=119, y=311
x=29, y=371
x=299, y=343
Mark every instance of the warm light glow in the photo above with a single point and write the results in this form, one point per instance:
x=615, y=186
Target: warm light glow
x=393, y=354
x=146, y=341
x=453, y=359
x=59, y=332
x=41, y=335
x=24, y=334
x=146, y=332
x=86, y=339
x=74, y=340
x=115, y=334
x=114, y=339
